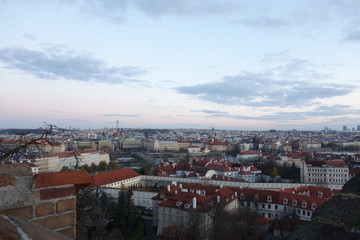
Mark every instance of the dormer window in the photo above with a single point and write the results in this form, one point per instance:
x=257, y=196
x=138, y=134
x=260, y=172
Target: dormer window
x=313, y=206
x=242, y=196
x=162, y=195
x=320, y=194
x=304, y=204
x=256, y=197
x=269, y=199
x=178, y=203
x=286, y=200
x=187, y=205
x=294, y=203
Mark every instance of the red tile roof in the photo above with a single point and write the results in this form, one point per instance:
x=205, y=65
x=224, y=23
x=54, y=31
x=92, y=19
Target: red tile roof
x=113, y=176
x=62, y=178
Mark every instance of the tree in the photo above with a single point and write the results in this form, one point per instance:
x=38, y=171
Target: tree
x=85, y=167
x=126, y=211
x=102, y=166
x=93, y=167
x=26, y=142
x=65, y=169
x=112, y=164
x=274, y=172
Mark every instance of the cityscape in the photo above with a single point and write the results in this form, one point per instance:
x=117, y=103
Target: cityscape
x=179, y=120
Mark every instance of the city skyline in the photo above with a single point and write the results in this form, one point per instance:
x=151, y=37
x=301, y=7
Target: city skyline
x=180, y=64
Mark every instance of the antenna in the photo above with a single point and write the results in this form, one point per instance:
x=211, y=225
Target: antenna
x=117, y=126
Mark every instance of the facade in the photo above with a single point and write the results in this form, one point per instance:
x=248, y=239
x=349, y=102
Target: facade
x=248, y=155
x=130, y=144
x=122, y=178
x=55, y=162
x=180, y=204
x=300, y=202
x=324, y=172
x=162, y=146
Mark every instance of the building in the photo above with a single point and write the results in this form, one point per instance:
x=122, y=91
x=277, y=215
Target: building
x=300, y=202
x=248, y=155
x=56, y=161
x=162, y=146
x=324, y=172
x=122, y=178
x=130, y=144
x=179, y=204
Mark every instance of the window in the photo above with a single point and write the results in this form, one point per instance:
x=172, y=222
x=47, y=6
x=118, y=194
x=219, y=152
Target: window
x=256, y=197
x=304, y=204
x=269, y=206
x=285, y=201
x=269, y=199
x=294, y=203
x=242, y=196
x=276, y=206
x=313, y=206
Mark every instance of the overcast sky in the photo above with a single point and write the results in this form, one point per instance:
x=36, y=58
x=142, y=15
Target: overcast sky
x=180, y=63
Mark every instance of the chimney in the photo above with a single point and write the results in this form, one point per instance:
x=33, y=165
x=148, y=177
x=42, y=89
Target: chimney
x=180, y=185
x=168, y=188
x=218, y=199
x=175, y=191
x=194, y=203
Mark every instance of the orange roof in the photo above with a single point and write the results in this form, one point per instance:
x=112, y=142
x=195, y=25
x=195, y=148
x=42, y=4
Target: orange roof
x=62, y=178
x=113, y=176
x=250, y=152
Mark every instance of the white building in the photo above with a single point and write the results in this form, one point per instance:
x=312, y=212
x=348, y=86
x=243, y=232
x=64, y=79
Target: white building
x=177, y=204
x=324, y=172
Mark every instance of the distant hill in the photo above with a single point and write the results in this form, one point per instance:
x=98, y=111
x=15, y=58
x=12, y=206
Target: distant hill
x=23, y=131
x=338, y=218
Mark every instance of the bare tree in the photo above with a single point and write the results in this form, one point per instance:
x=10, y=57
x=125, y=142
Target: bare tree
x=25, y=144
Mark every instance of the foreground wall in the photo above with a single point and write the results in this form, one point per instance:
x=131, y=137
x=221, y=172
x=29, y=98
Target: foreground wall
x=45, y=199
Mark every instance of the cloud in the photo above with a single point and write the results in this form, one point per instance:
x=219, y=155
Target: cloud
x=156, y=8
x=209, y=111
x=320, y=111
x=353, y=36
x=264, y=22
x=60, y=112
x=57, y=64
x=118, y=11
x=258, y=90
x=121, y=115
x=29, y=37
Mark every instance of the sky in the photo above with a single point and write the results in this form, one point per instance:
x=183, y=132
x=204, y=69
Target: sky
x=232, y=64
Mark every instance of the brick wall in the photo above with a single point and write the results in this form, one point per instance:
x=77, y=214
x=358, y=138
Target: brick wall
x=46, y=199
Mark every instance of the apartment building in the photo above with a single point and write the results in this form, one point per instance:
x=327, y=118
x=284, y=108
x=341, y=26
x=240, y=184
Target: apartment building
x=56, y=161
x=179, y=204
x=323, y=172
x=300, y=202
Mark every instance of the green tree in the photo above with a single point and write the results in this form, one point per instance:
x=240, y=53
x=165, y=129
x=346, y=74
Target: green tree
x=102, y=166
x=85, y=167
x=112, y=164
x=126, y=211
x=274, y=172
x=65, y=169
x=93, y=167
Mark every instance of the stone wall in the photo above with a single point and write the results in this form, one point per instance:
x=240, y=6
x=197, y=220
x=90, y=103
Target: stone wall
x=47, y=199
